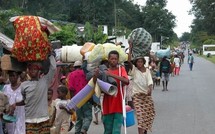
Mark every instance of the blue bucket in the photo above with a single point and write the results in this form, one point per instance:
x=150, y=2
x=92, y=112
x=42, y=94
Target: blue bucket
x=130, y=120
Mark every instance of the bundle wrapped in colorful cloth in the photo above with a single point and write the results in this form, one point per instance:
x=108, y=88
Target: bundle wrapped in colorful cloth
x=31, y=38
x=141, y=41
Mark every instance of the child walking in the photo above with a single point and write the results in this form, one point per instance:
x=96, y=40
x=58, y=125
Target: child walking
x=62, y=115
x=50, y=106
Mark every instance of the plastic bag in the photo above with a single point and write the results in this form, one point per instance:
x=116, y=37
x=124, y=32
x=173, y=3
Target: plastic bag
x=110, y=47
x=162, y=53
x=96, y=54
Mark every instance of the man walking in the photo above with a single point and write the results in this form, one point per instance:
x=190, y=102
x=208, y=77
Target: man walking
x=190, y=61
x=165, y=68
x=112, y=105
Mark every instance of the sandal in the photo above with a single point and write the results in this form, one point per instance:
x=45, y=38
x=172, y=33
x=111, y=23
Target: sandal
x=95, y=122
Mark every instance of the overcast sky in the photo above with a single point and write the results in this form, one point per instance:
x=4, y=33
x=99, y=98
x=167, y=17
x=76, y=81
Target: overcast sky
x=180, y=9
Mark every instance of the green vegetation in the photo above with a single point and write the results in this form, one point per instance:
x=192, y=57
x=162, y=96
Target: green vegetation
x=212, y=58
x=203, y=25
x=121, y=17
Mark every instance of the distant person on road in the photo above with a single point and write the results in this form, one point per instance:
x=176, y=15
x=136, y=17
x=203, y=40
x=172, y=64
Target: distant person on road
x=165, y=69
x=190, y=61
x=177, y=63
x=142, y=90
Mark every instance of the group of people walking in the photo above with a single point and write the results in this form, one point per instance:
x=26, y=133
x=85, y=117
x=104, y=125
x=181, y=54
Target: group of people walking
x=30, y=100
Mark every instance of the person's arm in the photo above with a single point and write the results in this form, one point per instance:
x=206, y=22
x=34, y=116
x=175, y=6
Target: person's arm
x=150, y=87
x=64, y=108
x=95, y=76
x=123, y=78
x=71, y=92
x=49, y=76
x=21, y=103
x=150, y=83
x=129, y=56
x=70, y=79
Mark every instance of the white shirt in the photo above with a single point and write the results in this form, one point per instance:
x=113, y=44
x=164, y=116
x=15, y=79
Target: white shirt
x=141, y=80
x=177, y=62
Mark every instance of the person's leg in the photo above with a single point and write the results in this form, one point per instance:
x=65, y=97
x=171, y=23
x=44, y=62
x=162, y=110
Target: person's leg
x=88, y=117
x=10, y=127
x=140, y=131
x=159, y=82
x=1, y=127
x=163, y=81
x=57, y=125
x=97, y=109
x=191, y=66
x=166, y=85
x=117, y=124
x=163, y=85
x=154, y=80
x=179, y=69
x=65, y=127
x=79, y=121
x=175, y=72
x=108, y=123
x=166, y=81
x=145, y=132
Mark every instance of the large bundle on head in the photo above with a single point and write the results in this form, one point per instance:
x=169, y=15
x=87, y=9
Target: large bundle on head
x=141, y=41
x=31, y=38
x=71, y=53
x=163, y=52
x=100, y=52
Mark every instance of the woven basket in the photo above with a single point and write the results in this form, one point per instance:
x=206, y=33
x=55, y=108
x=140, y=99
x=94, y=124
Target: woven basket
x=11, y=64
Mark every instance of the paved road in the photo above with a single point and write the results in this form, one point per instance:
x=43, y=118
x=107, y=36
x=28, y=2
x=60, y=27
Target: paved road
x=189, y=105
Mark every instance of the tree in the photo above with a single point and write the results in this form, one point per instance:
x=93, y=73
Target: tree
x=68, y=34
x=6, y=26
x=158, y=20
x=203, y=26
x=185, y=37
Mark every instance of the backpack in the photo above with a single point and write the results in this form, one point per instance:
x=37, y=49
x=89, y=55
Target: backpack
x=165, y=67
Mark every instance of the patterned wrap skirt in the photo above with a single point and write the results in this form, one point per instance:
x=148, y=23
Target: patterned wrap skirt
x=38, y=128
x=145, y=111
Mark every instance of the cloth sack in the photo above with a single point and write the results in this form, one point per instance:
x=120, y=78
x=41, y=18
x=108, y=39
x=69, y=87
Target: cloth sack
x=31, y=42
x=141, y=40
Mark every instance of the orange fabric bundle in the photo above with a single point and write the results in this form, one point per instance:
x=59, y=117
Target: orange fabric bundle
x=30, y=43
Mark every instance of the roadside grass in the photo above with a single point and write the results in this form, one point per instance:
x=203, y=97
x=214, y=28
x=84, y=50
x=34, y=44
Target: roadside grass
x=212, y=58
